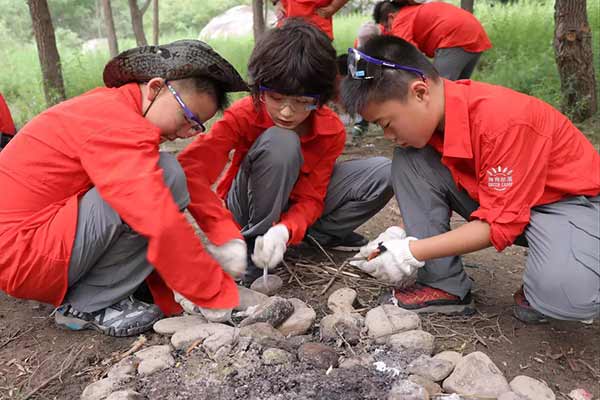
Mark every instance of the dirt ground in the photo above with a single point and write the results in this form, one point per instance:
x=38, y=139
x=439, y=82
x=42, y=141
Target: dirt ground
x=39, y=361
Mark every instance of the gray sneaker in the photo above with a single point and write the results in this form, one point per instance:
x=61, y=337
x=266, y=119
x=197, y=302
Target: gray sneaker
x=128, y=317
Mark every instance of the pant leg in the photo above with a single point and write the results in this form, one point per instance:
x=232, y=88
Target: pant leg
x=261, y=190
x=455, y=63
x=562, y=273
x=358, y=189
x=108, y=260
x=426, y=195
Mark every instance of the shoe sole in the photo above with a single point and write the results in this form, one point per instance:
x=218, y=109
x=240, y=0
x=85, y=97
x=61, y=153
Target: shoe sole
x=77, y=324
x=446, y=309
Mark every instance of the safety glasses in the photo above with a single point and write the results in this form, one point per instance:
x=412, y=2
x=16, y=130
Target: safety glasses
x=305, y=102
x=363, y=66
x=193, y=120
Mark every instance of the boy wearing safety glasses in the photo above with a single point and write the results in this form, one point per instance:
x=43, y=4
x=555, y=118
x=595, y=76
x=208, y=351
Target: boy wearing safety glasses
x=283, y=181
x=517, y=169
x=90, y=208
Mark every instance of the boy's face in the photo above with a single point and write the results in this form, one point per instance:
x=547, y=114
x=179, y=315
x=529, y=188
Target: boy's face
x=287, y=112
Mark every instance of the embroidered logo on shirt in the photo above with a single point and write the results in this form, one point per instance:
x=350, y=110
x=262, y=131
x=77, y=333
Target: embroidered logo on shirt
x=500, y=178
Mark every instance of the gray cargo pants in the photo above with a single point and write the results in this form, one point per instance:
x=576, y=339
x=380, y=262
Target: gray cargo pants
x=108, y=261
x=358, y=189
x=562, y=273
x=455, y=63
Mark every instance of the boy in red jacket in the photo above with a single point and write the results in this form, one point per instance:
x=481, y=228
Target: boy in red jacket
x=283, y=181
x=317, y=12
x=90, y=208
x=517, y=169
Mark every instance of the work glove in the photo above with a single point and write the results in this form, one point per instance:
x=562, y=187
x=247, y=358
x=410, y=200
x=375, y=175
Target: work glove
x=231, y=256
x=395, y=264
x=270, y=248
x=393, y=232
x=211, y=314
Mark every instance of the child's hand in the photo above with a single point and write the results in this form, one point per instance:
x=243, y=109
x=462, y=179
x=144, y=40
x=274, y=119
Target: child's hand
x=396, y=264
x=231, y=256
x=270, y=248
x=393, y=232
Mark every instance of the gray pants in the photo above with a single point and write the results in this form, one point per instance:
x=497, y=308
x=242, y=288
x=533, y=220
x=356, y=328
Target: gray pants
x=357, y=190
x=562, y=273
x=455, y=63
x=108, y=261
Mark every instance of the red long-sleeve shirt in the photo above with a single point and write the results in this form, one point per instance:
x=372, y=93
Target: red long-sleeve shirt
x=97, y=139
x=512, y=152
x=439, y=25
x=307, y=9
x=205, y=158
x=7, y=125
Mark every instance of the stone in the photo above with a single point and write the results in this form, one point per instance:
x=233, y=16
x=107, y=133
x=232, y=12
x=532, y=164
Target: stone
x=169, y=326
x=249, y=298
x=386, y=320
x=128, y=394
x=301, y=320
x=476, y=375
x=318, y=355
x=273, y=311
x=212, y=336
x=415, y=340
x=510, y=396
x=342, y=300
x=124, y=369
x=277, y=356
x=452, y=356
x=580, y=394
x=262, y=333
x=272, y=285
x=154, y=359
x=407, y=390
x=430, y=386
x=436, y=369
x=99, y=390
x=346, y=325
x=531, y=389
x=365, y=360
x=297, y=341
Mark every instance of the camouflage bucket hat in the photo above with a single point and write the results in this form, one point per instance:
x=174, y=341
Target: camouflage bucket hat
x=177, y=60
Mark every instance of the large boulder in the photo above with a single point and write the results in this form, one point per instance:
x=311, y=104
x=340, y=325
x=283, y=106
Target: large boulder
x=235, y=22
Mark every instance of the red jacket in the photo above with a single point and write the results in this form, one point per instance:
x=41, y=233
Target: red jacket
x=97, y=139
x=512, y=152
x=307, y=9
x=7, y=125
x=439, y=25
x=205, y=158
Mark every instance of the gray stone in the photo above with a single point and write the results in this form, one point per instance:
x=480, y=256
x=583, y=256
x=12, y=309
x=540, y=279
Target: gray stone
x=342, y=300
x=417, y=340
x=510, y=396
x=451, y=356
x=365, y=360
x=212, y=336
x=301, y=320
x=169, y=326
x=344, y=324
x=318, y=355
x=476, y=375
x=273, y=311
x=435, y=369
x=430, y=386
x=124, y=369
x=386, y=320
x=154, y=359
x=407, y=390
x=249, y=298
x=128, y=394
x=277, y=356
x=297, y=341
x=531, y=389
x=99, y=390
x=272, y=285
x=261, y=332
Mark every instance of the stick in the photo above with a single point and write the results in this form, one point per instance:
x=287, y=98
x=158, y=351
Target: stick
x=15, y=336
x=326, y=288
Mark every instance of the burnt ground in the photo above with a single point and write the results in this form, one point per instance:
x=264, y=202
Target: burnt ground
x=40, y=361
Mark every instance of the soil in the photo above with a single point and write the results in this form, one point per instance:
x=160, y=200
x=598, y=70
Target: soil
x=40, y=361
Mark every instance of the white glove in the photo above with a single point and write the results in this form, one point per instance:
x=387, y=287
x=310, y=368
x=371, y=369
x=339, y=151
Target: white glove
x=394, y=265
x=393, y=232
x=270, y=248
x=211, y=314
x=231, y=256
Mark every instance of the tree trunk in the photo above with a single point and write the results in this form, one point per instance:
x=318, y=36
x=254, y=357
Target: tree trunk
x=467, y=5
x=137, y=21
x=43, y=30
x=155, y=22
x=109, y=24
x=574, y=58
x=258, y=19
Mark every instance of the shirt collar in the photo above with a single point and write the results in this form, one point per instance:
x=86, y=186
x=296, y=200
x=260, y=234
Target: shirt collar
x=457, y=132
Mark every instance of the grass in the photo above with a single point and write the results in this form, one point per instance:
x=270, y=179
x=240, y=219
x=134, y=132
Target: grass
x=522, y=57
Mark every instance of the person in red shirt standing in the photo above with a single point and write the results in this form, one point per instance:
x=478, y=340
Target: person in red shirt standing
x=283, y=182
x=7, y=126
x=453, y=37
x=514, y=167
x=318, y=12
x=90, y=208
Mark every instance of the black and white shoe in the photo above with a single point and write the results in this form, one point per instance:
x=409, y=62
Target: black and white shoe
x=352, y=242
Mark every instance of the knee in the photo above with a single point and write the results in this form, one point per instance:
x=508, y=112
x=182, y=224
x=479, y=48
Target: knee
x=174, y=178
x=382, y=170
x=280, y=146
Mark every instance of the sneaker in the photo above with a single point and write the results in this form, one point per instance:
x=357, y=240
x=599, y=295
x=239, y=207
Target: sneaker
x=524, y=312
x=352, y=242
x=426, y=299
x=128, y=317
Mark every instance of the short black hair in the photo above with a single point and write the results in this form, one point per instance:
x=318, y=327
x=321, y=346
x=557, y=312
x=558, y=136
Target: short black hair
x=392, y=83
x=201, y=84
x=342, y=64
x=385, y=8
x=295, y=59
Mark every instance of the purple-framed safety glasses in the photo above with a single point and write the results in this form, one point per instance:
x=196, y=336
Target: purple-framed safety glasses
x=363, y=66
x=192, y=118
